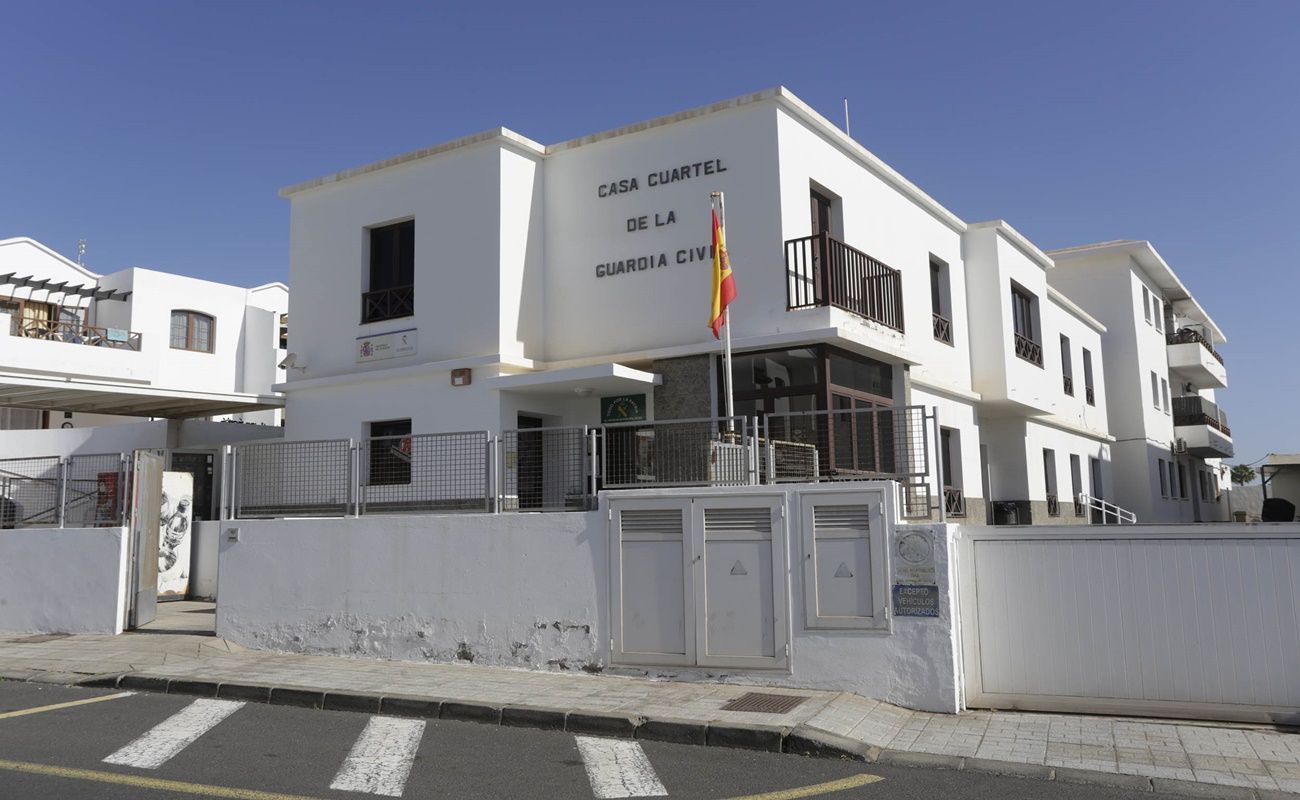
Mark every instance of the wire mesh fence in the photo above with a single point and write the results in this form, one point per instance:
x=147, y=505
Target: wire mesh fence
x=428, y=472
x=95, y=492
x=689, y=452
x=547, y=469
x=293, y=479
x=29, y=491
x=848, y=444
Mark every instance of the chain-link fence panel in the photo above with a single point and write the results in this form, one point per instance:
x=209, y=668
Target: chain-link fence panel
x=546, y=469
x=293, y=479
x=426, y=473
x=29, y=492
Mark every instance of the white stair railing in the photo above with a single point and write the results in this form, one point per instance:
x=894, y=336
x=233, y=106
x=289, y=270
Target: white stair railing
x=1109, y=513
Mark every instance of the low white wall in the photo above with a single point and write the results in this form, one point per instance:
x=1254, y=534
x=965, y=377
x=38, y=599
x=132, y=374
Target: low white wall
x=204, y=543
x=522, y=590
x=62, y=581
x=530, y=590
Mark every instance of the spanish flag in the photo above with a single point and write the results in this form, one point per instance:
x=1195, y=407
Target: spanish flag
x=724, y=284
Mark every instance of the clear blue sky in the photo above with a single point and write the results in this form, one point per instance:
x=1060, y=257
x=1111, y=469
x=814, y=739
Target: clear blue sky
x=160, y=132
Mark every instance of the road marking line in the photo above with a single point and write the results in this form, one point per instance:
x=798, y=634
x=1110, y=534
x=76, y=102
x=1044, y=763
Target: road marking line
x=381, y=758
x=851, y=782
x=174, y=734
x=618, y=768
x=22, y=712
x=143, y=782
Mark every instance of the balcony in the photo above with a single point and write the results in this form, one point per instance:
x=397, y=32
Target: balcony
x=392, y=303
x=822, y=271
x=1029, y=350
x=1202, y=427
x=1192, y=355
x=954, y=502
x=74, y=333
x=942, y=329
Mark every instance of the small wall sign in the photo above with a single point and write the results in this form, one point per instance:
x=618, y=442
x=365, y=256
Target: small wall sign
x=914, y=558
x=916, y=601
x=386, y=345
x=623, y=408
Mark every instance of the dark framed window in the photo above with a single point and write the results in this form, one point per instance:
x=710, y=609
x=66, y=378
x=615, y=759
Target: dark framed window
x=193, y=330
x=1088, y=392
x=390, y=453
x=1067, y=365
x=391, y=287
x=1164, y=483
x=939, y=303
x=1022, y=313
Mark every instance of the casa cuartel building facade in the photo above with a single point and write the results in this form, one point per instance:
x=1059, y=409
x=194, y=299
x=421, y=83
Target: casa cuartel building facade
x=495, y=283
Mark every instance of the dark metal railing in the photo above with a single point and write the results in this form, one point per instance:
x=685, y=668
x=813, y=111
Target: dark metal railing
x=1029, y=350
x=943, y=329
x=1190, y=335
x=822, y=271
x=954, y=502
x=1068, y=383
x=1193, y=410
x=1053, y=506
x=75, y=333
x=1090, y=395
x=393, y=303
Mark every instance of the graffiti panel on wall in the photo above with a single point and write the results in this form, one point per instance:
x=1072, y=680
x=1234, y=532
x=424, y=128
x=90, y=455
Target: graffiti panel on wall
x=174, y=535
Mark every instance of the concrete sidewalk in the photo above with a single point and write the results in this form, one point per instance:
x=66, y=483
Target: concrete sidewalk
x=1218, y=760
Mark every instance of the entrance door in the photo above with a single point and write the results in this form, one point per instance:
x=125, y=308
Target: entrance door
x=146, y=517
x=530, y=462
x=699, y=582
x=199, y=465
x=821, y=224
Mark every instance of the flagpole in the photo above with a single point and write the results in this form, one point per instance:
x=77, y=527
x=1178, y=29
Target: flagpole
x=726, y=341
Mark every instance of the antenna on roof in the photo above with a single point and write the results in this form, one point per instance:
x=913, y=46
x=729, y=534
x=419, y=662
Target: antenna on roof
x=847, y=131
x=81, y=251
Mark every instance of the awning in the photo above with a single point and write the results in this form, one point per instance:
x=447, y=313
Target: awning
x=596, y=379
x=97, y=397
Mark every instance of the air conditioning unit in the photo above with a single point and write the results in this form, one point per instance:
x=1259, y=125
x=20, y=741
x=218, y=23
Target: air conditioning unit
x=1180, y=447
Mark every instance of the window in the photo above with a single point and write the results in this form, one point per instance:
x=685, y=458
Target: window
x=283, y=341
x=1218, y=495
x=1067, y=366
x=950, y=446
x=1157, y=313
x=1182, y=482
x=939, y=303
x=1146, y=304
x=1201, y=484
x=1094, y=472
x=1164, y=483
x=1173, y=483
x=1164, y=393
x=390, y=452
x=391, y=293
x=192, y=330
x=1076, y=481
x=1155, y=391
x=1049, y=482
x=1088, y=393
x=1024, y=314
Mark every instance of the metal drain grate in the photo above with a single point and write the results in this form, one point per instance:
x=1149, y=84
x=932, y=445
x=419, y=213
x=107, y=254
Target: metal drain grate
x=762, y=703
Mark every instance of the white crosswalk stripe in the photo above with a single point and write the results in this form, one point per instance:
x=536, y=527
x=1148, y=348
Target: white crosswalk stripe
x=381, y=758
x=174, y=734
x=618, y=768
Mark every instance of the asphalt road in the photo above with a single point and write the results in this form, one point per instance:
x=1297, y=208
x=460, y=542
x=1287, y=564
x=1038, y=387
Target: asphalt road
x=164, y=746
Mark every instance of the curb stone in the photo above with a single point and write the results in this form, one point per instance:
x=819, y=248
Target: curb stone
x=812, y=742
x=1215, y=791
x=399, y=706
x=745, y=737
x=623, y=727
x=303, y=698
x=470, y=712
x=1014, y=768
x=200, y=688
x=904, y=758
x=348, y=701
x=1116, y=780
x=527, y=717
x=674, y=731
x=247, y=693
x=143, y=683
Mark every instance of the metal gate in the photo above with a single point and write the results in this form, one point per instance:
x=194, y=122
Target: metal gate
x=1177, y=621
x=146, y=516
x=699, y=581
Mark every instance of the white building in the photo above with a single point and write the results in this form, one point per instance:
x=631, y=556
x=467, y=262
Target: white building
x=494, y=283
x=1162, y=372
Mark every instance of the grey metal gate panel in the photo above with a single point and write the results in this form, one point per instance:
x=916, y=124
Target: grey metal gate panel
x=146, y=516
x=653, y=618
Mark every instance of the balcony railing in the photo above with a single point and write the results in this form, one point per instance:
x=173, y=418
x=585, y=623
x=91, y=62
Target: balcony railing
x=822, y=271
x=1053, y=506
x=1068, y=383
x=1029, y=350
x=1090, y=395
x=1190, y=335
x=942, y=328
x=954, y=502
x=393, y=303
x=75, y=333
x=1193, y=410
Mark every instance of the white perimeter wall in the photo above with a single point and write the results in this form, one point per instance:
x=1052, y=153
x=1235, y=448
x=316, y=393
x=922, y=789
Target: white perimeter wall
x=526, y=590
x=62, y=581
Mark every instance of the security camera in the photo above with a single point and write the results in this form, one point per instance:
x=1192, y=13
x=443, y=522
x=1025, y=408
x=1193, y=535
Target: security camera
x=291, y=362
